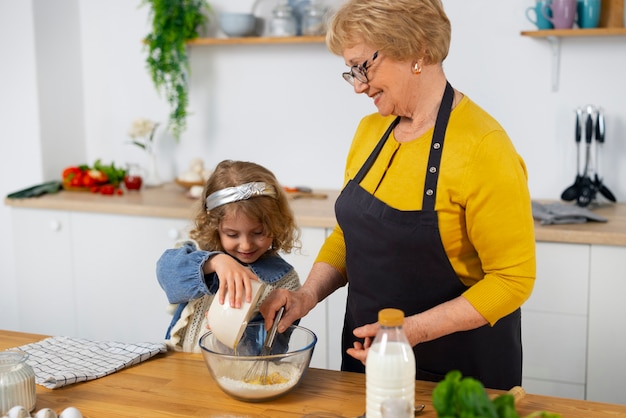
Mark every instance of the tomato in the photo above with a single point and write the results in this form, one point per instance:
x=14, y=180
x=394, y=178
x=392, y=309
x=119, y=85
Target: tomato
x=70, y=172
x=98, y=176
x=95, y=189
x=107, y=189
x=88, y=181
x=77, y=179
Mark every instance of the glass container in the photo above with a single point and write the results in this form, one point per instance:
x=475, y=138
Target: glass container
x=17, y=381
x=314, y=19
x=133, y=178
x=283, y=21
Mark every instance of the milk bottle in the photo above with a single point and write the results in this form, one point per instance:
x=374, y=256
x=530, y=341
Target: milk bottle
x=390, y=366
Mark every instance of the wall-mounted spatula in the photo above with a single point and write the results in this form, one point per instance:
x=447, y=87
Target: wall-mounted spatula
x=572, y=192
x=600, y=132
x=587, y=189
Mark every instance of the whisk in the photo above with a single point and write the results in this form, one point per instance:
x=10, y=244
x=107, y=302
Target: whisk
x=258, y=371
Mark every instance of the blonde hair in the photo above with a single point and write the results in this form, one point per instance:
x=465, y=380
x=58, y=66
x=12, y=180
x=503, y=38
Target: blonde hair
x=403, y=30
x=274, y=213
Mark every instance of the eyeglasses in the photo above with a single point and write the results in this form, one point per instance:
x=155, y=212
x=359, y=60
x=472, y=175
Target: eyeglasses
x=359, y=71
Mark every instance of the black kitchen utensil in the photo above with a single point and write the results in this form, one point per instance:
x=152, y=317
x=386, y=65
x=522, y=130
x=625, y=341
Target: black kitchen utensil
x=587, y=189
x=37, y=190
x=600, y=132
x=571, y=193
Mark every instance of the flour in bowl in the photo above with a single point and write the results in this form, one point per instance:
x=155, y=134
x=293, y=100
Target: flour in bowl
x=289, y=374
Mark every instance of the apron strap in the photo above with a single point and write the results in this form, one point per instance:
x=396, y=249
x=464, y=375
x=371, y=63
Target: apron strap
x=436, y=149
x=374, y=154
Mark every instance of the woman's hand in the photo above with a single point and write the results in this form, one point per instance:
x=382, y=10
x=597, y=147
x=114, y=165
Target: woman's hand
x=297, y=304
x=367, y=333
x=233, y=276
x=321, y=282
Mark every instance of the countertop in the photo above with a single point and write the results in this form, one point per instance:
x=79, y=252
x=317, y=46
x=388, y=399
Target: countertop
x=177, y=384
x=170, y=201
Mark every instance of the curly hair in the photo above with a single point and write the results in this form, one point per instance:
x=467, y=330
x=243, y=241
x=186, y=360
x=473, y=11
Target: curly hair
x=274, y=214
x=403, y=29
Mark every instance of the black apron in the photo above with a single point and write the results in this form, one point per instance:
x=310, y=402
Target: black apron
x=396, y=259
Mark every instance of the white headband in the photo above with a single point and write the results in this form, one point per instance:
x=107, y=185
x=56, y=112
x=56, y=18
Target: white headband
x=241, y=192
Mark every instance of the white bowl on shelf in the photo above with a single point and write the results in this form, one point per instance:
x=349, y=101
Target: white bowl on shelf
x=237, y=25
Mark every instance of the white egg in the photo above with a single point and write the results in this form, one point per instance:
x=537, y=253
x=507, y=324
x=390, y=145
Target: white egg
x=71, y=412
x=18, y=412
x=46, y=413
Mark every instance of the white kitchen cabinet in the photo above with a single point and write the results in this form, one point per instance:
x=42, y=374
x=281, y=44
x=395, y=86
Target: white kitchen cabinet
x=92, y=275
x=316, y=320
x=607, y=332
x=336, y=312
x=554, y=322
x=45, y=282
x=116, y=290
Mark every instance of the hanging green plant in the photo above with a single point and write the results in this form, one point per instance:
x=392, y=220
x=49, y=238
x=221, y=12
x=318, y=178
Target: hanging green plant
x=173, y=23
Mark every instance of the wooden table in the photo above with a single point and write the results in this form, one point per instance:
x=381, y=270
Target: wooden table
x=179, y=385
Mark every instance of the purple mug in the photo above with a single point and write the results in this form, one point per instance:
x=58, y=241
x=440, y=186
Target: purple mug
x=563, y=13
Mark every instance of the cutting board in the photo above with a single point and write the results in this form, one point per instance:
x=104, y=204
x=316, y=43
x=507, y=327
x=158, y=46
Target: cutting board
x=612, y=14
x=306, y=195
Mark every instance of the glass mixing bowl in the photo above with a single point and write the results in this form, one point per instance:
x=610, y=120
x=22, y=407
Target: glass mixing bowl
x=286, y=364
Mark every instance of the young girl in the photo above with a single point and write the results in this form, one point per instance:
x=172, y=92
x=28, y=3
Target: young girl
x=243, y=222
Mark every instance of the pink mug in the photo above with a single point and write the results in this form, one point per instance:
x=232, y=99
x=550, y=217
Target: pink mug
x=563, y=13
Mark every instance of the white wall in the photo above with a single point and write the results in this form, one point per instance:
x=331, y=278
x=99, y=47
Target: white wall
x=286, y=106
x=20, y=157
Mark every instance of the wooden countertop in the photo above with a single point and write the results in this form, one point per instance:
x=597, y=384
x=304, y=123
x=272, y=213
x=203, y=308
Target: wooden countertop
x=612, y=232
x=170, y=201
x=179, y=385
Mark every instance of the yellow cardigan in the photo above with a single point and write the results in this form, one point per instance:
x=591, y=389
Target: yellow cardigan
x=485, y=216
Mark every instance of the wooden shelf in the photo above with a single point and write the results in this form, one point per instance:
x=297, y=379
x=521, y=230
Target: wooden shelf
x=554, y=36
x=564, y=33
x=250, y=40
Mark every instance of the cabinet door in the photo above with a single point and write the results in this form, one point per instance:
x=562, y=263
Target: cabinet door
x=607, y=332
x=316, y=320
x=554, y=322
x=117, y=294
x=336, y=312
x=43, y=259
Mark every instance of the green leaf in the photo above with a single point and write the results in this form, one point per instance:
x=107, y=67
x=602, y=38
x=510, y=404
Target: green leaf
x=505, y=405
x=114, y=174
x=173, y=23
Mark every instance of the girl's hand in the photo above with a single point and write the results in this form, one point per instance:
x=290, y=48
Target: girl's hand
x=233, y=277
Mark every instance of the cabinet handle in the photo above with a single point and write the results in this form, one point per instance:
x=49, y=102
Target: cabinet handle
x=55, y=225
x=173, y=233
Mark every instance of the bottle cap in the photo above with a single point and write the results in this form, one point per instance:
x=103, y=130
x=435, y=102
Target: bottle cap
x=390, y=317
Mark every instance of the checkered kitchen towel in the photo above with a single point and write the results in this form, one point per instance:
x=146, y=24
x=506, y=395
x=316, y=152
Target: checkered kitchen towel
x=61, y=361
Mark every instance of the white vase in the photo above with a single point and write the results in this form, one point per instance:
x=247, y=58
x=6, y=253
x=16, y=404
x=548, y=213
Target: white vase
x=152, y=178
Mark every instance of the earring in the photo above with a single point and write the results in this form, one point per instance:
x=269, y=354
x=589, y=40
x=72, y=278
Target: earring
x=417, y=69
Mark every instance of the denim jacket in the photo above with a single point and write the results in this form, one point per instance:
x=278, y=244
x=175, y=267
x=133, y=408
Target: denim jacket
x=179, y=272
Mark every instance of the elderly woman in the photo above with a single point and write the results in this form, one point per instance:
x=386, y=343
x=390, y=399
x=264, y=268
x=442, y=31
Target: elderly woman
x=435, y=215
